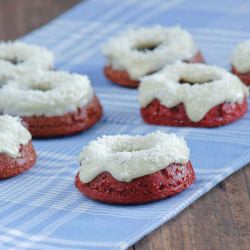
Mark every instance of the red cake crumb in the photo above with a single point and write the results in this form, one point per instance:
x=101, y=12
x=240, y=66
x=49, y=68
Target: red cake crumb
x=70, y=123
x=159, y=185
x=197, y=58
x=244, y=77
x=158, y=114
x=10, y=166
x=122, y=78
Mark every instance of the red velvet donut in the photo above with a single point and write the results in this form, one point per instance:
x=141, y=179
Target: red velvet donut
x=10, y=166
x=222, y=114
x=244, y=77
x=52, y=103
x=162, y=184
x=122, y=78
x=125, y=169
x=143, y=51
x=67, y=124
x=240, y=62
x=193, y=95
x=16, y=150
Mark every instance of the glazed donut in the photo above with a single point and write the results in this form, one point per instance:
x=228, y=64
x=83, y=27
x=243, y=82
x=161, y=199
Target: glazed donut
x=125, y=169
x=195, y=95
x=20, y=58
x=16, y=151
x=52, y=103
x=240, y=62
x=140, y=52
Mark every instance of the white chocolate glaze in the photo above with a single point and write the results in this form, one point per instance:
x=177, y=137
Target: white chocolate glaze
x=216, y=87
x=48, y=93
x=174, y=44
x=26, y=56
x=127, y=157
x=240, y=58
x=12, y=135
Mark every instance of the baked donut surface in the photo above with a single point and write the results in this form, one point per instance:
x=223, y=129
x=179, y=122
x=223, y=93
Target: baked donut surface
x=126, y=169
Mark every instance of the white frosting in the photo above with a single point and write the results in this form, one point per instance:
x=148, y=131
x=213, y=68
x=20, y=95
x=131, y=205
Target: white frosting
x=198, y=99
x=26, y=55
x=241, y=57
x=175, y=44
x=65, y=92
x=127, y=157
x=12, y=135
x=30, y=57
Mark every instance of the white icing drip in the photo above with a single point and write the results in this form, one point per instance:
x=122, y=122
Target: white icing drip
x=12, y=135
x=63, y=93
x=30, y=57
x=217, y=86
x=240, y=58
x=127, y=157
x=175, y=44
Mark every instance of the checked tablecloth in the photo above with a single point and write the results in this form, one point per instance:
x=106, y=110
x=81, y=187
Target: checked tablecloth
x=41, y=209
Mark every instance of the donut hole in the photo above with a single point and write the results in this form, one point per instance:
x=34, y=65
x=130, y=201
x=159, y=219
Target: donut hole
x=203, y=80
x=182, y=81
x=148, y=46
x=152, y=72
x=14, y=61
x=41, y=87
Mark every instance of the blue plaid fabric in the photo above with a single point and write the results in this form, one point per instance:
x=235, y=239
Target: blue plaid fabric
x=41, y=209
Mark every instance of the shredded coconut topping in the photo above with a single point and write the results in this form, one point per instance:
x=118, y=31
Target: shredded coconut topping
x=241, y=57
x=171, y=45
x=212, y=86
x=21, y=58
x=12, y=135
x=7, y=72
x=127, y=157
x=46, y=93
